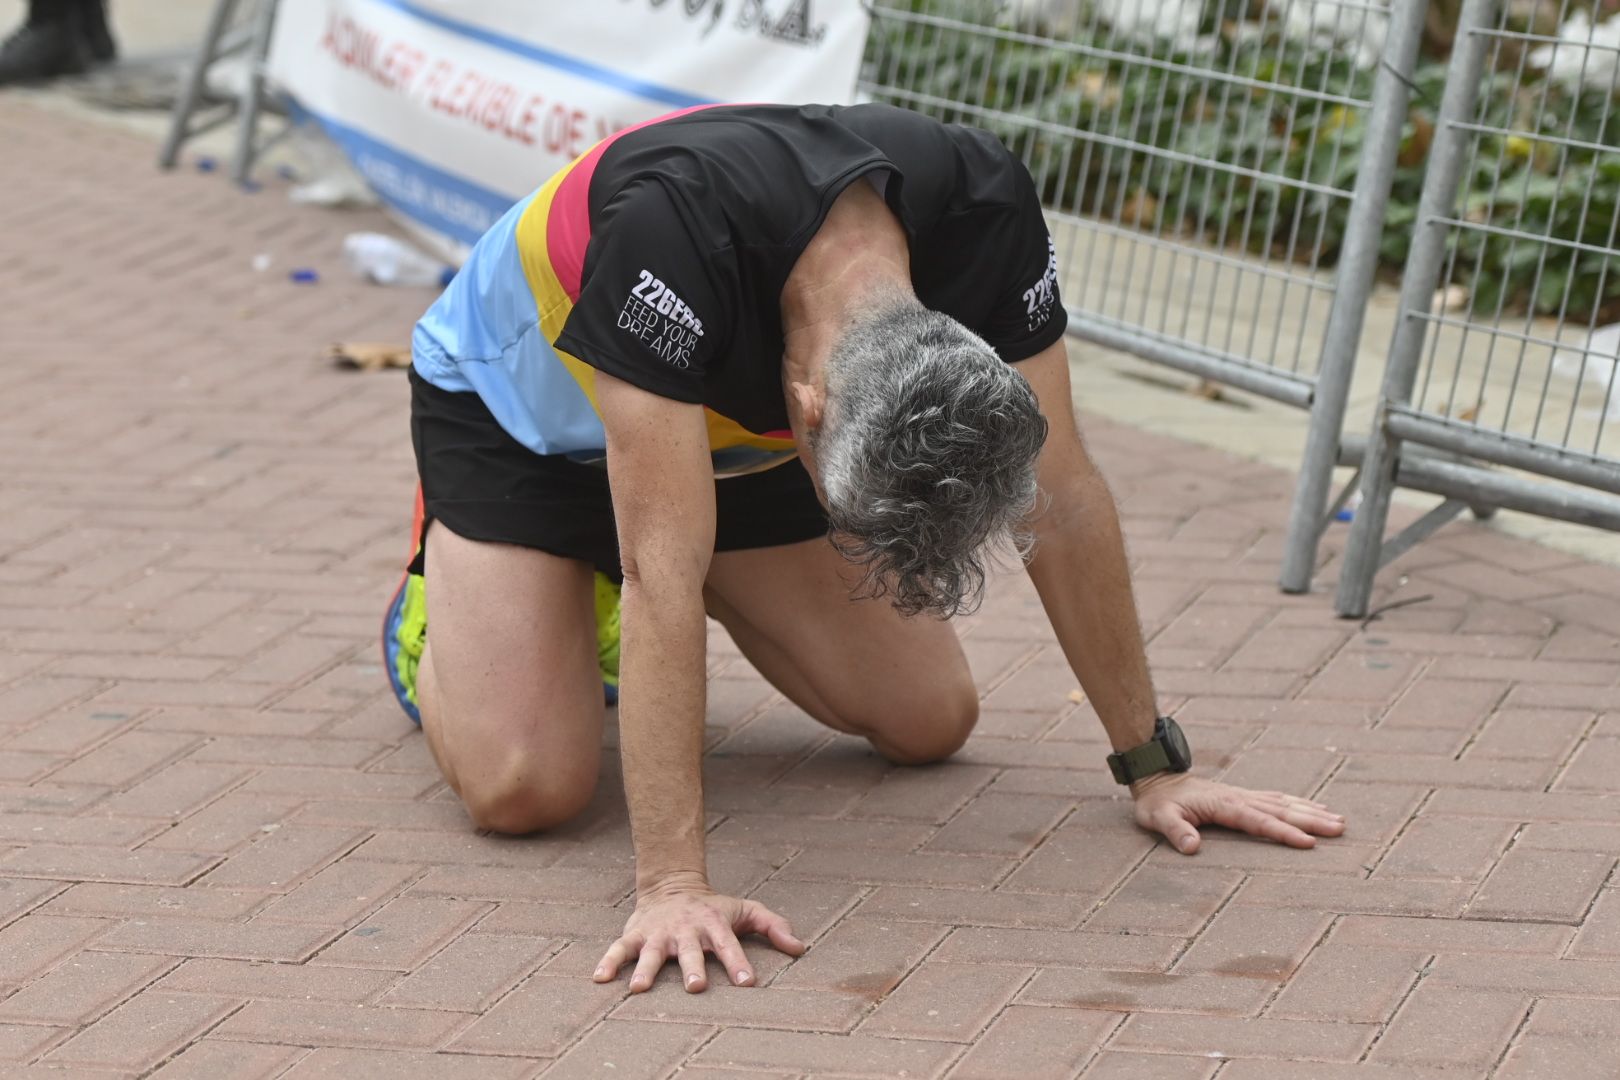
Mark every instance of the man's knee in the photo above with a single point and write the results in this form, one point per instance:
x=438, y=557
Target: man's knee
x=518, y=801
x=931, y=731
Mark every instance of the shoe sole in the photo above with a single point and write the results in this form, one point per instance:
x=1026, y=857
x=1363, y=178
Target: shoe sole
x=390, y=651
x=391, y=618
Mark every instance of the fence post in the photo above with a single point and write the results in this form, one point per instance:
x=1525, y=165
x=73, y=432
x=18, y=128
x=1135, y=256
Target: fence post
x=1358, y=262
x=252, y=100
x=1417, y=295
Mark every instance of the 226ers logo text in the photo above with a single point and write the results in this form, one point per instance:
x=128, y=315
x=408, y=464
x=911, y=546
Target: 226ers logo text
x=1039, y=297
x=661, y=321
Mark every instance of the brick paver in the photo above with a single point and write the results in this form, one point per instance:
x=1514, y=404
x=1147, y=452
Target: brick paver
x=223, y=852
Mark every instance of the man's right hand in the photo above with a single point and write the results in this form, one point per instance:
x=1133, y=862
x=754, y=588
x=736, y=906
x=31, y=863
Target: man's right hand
x=685, y=921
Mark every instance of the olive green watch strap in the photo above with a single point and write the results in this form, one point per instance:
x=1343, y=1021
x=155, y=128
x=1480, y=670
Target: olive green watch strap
x=1145, y=760
x=1166, y=752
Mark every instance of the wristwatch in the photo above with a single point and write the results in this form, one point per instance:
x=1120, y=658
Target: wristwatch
x=1166, y=752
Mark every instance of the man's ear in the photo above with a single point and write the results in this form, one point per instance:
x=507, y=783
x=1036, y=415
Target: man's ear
x=811, y=401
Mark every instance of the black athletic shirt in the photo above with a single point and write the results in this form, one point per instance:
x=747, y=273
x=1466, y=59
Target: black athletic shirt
x=660, y=257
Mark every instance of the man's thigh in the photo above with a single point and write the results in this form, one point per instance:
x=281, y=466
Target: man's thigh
x=855, y=665
x=510, y=692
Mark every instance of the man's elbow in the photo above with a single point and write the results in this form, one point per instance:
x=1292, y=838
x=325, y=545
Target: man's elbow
x=662, y=572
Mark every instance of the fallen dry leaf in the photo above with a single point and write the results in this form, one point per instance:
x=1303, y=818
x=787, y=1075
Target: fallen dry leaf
x=369, y=355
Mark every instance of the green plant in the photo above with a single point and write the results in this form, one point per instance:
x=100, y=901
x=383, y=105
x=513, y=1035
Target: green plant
x=1545, y=187
x=1243, y=159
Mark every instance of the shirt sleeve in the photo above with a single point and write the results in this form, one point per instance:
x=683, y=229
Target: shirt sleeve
x=1028, y=314
x=648, y=311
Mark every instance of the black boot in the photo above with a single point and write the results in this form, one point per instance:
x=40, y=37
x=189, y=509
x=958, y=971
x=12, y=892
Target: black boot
x=48, y=44
x=93, y=16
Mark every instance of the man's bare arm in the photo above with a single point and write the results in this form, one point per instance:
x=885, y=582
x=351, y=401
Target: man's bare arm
x=663, y=501
x=1080, y=569
x=1083, y=577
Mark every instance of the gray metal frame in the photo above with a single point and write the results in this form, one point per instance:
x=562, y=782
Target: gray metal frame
x=1308, y=516
x=229, y=33
x=1475, y=436
x=1147, y=105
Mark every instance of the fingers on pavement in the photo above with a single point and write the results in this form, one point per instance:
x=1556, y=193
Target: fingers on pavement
x=731, y=956
x=1170, y=821
x=689, y=951
x=618, y=954
x=653, y=955
x=758, y=919
x=1239, y=815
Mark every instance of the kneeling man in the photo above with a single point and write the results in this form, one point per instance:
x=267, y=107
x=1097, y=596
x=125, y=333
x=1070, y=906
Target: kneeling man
x=615, y=388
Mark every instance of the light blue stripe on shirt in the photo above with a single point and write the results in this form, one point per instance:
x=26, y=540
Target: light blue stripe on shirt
x=483, y=336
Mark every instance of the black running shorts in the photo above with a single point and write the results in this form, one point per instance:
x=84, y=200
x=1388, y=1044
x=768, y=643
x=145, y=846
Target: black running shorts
x=485, y=485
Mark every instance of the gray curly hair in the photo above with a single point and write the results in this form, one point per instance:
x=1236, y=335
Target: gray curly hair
x=926, y=453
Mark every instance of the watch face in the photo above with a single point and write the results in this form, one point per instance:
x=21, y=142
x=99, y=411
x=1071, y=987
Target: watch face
x=1175, y=745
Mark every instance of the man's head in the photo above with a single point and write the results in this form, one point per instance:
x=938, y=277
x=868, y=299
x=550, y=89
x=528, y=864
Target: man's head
x=924, y=448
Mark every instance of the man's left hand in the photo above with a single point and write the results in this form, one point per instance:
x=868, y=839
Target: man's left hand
x=1175, y=804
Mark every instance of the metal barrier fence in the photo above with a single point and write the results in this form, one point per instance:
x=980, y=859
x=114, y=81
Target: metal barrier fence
x=1216, y=182
x=236, y=28
x=1501, y=388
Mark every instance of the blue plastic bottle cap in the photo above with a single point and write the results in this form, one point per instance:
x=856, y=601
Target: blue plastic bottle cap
x=206, y=164
x=304, y=277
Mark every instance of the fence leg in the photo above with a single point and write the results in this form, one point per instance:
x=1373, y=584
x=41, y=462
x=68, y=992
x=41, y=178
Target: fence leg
x=1422, y=274
x=252, y=103
x=1353, y=284
x=191, y=91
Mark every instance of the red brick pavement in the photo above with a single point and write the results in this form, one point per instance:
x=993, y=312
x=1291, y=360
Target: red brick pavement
x=225, y=853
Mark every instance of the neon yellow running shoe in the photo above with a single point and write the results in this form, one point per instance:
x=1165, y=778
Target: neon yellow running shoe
x=405, y=635
x=607, y=635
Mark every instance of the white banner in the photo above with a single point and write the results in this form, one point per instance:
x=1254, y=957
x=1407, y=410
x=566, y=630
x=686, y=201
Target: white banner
x=455, y=109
